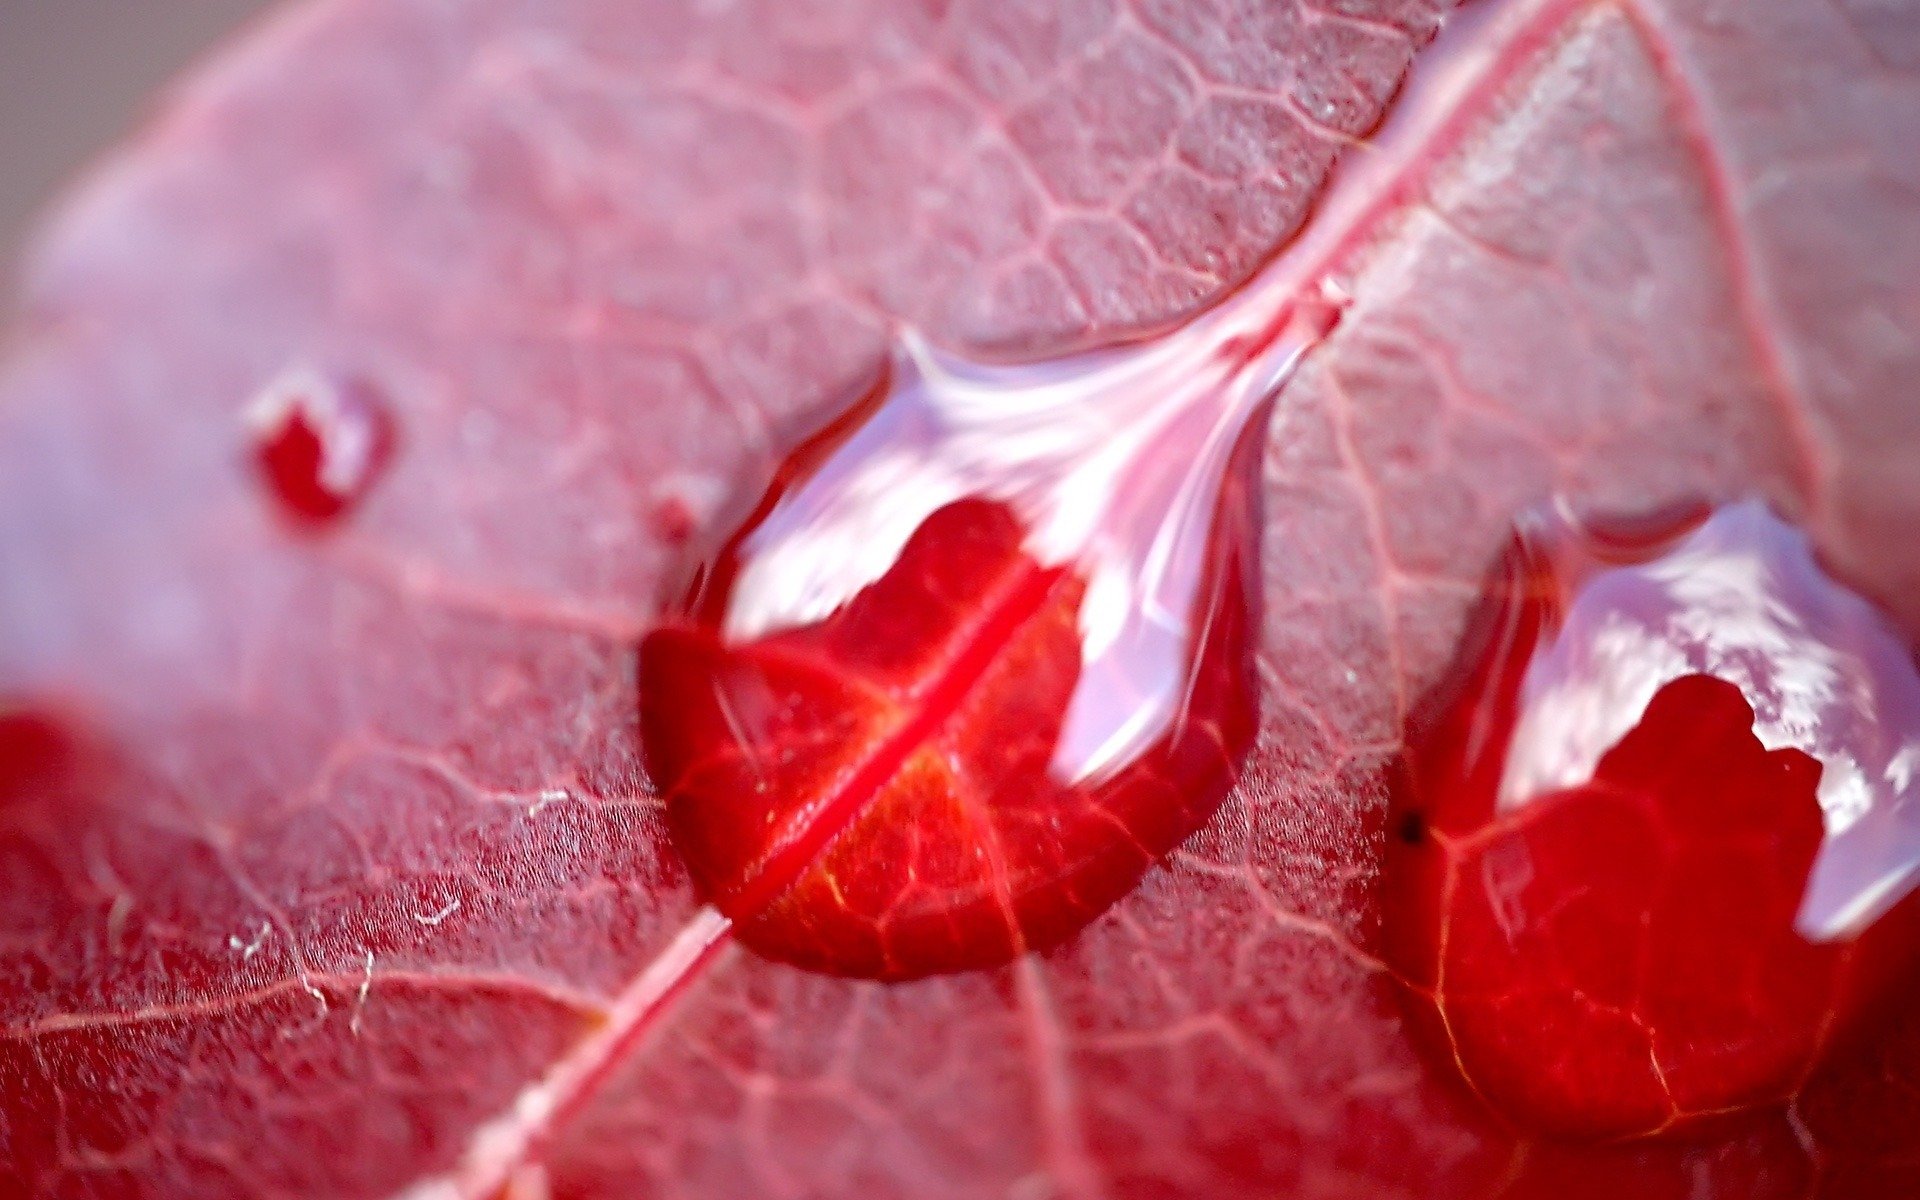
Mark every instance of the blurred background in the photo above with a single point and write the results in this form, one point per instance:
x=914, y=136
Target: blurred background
x=76, y=75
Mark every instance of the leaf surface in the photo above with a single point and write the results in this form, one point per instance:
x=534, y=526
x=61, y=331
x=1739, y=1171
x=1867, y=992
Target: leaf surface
x=358, y=884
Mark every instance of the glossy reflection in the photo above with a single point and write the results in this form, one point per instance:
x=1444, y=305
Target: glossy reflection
x=980, y=655
x=1651, y=845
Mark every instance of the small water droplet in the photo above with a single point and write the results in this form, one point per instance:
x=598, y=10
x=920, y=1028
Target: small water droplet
x=1700, y=746
x=320, y=441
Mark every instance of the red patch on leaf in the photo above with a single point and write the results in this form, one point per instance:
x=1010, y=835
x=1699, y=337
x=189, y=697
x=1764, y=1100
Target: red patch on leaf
x=36, y=751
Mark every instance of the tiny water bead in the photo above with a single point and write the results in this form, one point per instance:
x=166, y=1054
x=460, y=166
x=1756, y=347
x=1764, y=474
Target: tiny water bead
x=319, y=442
x=1652, y=847
x=980, y=655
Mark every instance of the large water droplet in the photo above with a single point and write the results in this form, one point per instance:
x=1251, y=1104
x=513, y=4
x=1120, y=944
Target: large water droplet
x=319, y=441
x=980, y=654
x=1653, y=845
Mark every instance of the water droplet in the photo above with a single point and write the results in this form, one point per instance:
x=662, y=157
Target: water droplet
x=319, y=441
x=1656, y=840
x=980, y=655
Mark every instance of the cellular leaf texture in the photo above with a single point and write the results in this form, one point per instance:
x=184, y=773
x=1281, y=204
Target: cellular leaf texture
x=330, y=864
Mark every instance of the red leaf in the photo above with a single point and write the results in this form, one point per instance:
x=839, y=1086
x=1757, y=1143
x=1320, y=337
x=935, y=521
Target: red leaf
x=365, y=887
